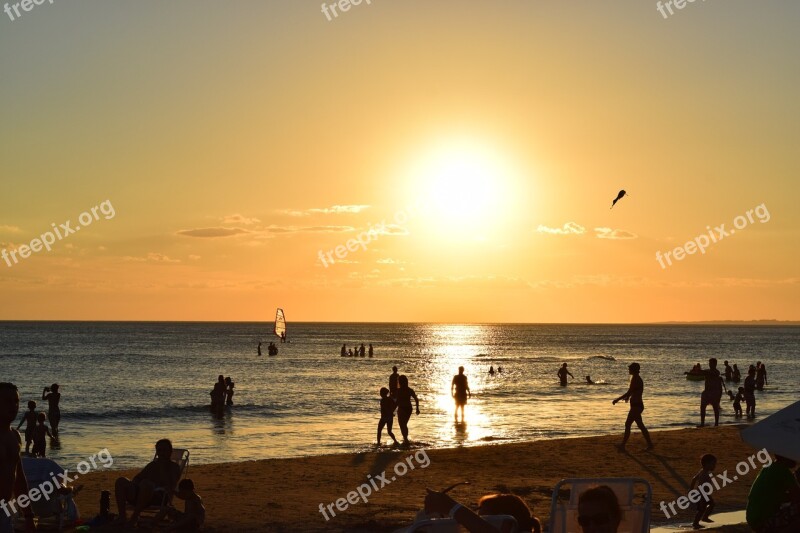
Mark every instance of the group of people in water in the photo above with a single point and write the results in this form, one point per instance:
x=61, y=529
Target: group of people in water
x=36, y=430
x=271, y=349
x=356, y=351
x=221, y=395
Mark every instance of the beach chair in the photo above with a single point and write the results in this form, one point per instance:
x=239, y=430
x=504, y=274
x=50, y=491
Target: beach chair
x=57, y=510
x=634, y=494
x=180, y=456
x=505, y=523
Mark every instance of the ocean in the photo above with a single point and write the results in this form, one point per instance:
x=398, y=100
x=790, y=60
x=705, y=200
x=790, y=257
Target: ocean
x=125, y=385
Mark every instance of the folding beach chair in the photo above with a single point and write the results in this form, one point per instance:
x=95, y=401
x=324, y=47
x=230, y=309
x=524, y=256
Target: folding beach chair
x=634, y=494
x=57, y=509
x=180, y=456
x=505, y=523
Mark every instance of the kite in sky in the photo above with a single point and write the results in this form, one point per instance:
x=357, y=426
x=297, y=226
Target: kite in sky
x=618, y=198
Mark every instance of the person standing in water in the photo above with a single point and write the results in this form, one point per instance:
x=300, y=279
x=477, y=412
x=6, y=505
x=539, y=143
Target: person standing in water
x=393, y=384
x=52, y=396
x=712, y=394
x=259, y=348
x=404, y=395
x=459, y=389
x=370, y=350
x=761, y=376
x=728, y=371
x=361, y=350
x=563, y=373
x=634, y=396
x=344, y=350
x=750, y=392
x=737, y=376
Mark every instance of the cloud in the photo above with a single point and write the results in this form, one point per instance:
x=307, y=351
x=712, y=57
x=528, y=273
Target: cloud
x=153, y=257
x=194, y=257
x=240, y=219
x=211, y=233
x=333, y=210
x=9, y=229
x=570, y=228
x=308, y=229
x=614, y=234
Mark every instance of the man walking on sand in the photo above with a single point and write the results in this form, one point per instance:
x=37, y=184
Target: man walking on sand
x=634, y=397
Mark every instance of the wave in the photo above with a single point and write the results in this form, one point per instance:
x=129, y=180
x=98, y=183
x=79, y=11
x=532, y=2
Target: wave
x=604, y=357
x=169, y=411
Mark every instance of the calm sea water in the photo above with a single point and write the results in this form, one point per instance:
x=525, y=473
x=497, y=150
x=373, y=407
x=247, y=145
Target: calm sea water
x=124, y=385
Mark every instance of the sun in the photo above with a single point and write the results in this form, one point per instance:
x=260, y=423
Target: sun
x=465, y=188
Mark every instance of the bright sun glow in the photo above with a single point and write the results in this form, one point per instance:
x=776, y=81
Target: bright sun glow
x=466, y=189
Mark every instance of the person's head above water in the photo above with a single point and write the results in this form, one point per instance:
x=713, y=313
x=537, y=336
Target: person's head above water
x=598, y=510
x=384, y=392
x=9, y=402
x=634, y=368
x=403, y=380
x=725, y=363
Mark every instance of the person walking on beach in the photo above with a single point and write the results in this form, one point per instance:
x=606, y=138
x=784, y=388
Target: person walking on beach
x=750, y=392
x=712, y=394
x=52, y=396
x=761, y=376
x=634, y=396
x=404, y=395
x=387, y=415
x=393, y=385
x=12, y=477
x=705, y=506
x=459, y=389
x=563, y=373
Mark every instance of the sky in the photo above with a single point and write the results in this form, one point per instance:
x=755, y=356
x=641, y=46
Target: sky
x=474, y=148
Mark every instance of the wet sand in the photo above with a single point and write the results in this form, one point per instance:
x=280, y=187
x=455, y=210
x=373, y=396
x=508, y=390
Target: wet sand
x=283, y=495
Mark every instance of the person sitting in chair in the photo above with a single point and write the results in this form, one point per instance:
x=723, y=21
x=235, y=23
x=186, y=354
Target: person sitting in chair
x=154, y=485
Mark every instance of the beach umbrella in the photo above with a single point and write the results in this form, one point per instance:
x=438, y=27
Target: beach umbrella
x=620, y=194
x=778, y=433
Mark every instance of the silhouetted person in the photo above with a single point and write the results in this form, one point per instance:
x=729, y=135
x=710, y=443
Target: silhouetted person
x=283, y=337
x=712, y=394
x=706, y=474
x=387, y=415
x=218, y=396
x=370, y=350
x=30, y=418
x=229, y=391
x=344, y=350
x=599, y=510
x=491, y=370
x=12, y=477
x=589, y=380
x=259, y=348
x=362, y=351
x=404, y=395
x=737, y=376
x=52, y=396
x=750, y=391
x=39, y=433
x=461, y=388
x=737, y=402
x=146, y=488
x=761, y=376
x=563, y=373
x=728, y=371
x=393, y=384
x=634, y=396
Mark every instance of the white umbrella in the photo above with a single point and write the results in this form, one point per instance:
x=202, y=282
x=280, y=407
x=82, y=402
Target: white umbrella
x=778, y=433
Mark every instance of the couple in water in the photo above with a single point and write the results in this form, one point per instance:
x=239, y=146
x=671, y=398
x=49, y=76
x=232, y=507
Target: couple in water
x=398, y=396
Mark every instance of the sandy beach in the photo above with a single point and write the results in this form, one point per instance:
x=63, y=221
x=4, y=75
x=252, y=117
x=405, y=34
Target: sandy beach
x=283, y=495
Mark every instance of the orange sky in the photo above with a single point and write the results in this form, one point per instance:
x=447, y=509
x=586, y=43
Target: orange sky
x=239, y=142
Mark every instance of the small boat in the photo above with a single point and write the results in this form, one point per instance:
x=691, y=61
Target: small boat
x=693, y=376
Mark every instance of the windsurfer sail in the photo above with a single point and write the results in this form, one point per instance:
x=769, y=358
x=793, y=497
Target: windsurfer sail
x=280, y=325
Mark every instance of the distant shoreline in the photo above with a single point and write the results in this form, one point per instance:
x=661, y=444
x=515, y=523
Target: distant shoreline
x=668, y=323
